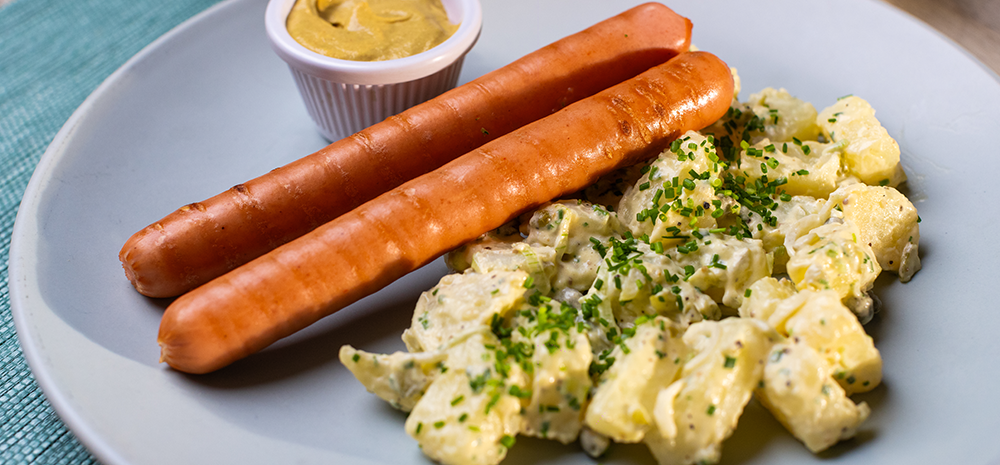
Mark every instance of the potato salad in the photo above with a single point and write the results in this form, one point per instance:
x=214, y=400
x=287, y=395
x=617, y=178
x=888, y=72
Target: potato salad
x=651, y=307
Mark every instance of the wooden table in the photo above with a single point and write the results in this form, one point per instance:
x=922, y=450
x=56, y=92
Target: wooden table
x=973, y=24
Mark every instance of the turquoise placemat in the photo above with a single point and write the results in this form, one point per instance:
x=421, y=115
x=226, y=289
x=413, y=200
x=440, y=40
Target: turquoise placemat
x=53, y=54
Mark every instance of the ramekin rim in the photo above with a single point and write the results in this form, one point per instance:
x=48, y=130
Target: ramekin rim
x=372, y=72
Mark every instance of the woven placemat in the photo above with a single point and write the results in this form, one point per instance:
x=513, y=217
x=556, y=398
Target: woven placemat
x=53, y=54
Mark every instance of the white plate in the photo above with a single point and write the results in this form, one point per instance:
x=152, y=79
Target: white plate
x=209, y=105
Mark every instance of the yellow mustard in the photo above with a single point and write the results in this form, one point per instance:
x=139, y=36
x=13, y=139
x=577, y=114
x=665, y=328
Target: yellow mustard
x=369, y=30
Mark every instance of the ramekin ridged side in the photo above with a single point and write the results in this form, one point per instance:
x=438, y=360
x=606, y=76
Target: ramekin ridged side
x=340, y=110
x=344, y=96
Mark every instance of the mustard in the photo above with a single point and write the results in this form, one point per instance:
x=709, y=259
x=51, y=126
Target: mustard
x=369, y=30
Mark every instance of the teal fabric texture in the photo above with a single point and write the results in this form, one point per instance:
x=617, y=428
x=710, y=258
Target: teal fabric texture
x=53, y=54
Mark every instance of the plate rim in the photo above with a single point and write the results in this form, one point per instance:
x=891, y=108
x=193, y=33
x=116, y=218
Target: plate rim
x=73, y=419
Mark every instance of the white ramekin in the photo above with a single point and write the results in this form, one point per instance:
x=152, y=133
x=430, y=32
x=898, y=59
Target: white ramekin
x=344, y=96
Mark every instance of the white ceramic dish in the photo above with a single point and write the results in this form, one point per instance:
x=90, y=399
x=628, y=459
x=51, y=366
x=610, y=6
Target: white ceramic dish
x=467, y=13
x=156, y=135
x=344, y=97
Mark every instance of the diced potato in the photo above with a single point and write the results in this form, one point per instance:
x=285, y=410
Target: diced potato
x=785, y=117
x=832, y=257
x=769, y=114
x=765, y=296
x=820, y=320
x=460, y=303
x=560, y=384
x=725, y=267
x=569, y=227
x=496, y=246
x=696, y=413
x=887, y=222
x=399, y=379
x=502, y=253
x=668, y=202
x=467, y=412
x=796, y=219
x=810, y=168
x=827, y=326
x=788, y=215
x=622, y=406
x=558, y=251
x=870, y=154
x=799, y=391
x=641, y=282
